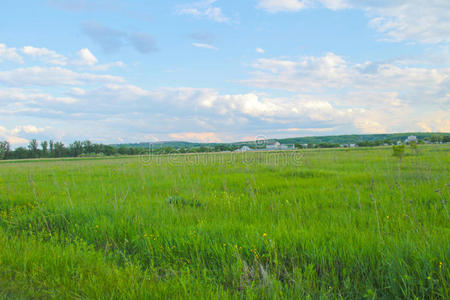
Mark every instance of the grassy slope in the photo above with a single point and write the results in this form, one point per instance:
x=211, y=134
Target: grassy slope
x=340, y=223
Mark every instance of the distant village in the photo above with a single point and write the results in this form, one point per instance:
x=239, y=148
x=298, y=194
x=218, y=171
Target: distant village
x=276, y=146
x=53, y=149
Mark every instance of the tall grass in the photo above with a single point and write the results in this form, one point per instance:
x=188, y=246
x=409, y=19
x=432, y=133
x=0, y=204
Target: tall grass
x=325, y=224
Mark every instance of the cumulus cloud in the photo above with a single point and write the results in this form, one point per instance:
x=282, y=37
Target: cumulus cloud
x=402, y=20
x=331, y=71
x=10, y=54
x=47, y=56
x=260, y=50
x=86, y=57
x=203, y=9
x=203, y=111
x=436, y=121
x=27, y=129
x=301, y=75
x=6, y=135
x=16, y=136
x=383, y=97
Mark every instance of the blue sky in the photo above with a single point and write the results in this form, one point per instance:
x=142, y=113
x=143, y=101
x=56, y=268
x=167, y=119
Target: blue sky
x=217, y=71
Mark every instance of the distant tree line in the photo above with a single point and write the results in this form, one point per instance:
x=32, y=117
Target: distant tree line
x=200, y=149
x=432, y=140
x=53, y=149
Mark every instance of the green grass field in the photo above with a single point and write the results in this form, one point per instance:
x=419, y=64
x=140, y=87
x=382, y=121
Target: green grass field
x=320, y=224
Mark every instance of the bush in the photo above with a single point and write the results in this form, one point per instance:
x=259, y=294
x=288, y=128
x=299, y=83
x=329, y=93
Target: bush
x=399, y=151
x=414, y=147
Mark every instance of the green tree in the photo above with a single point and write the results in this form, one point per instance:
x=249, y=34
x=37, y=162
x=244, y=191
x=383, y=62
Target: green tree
x=52, y=148
x=436, y=139
x=33, y=148
x=399, y=151
x=414, y=147
x=87, y=147
x=76, y=148
x=4, y=149
x=44, y=146
x=21, y=153
x=446, y=139
x=60, y=149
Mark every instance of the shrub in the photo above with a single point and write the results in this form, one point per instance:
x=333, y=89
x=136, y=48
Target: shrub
x=399, y=151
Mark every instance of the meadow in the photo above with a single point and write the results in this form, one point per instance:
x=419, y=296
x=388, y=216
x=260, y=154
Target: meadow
x=311, y=224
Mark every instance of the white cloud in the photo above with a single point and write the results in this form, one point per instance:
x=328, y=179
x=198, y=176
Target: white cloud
x=9, y=95
x=411, y=20
x=274, y=6
x=400, y=20
x=301, y=75
x=77, y=91
x=200, y=112
x=204, y=137
x=105, y=67
x=203, y=9
x=14, y=140
x=47, y=56
x=260, y=50
x=333, y=71
x=15, y=136
x=86, y=57
x=53, y=76
x=9, y=54
x=380, y=97
x=335, y=4
x=205, y=46
x=27, y=129
x=436, y=122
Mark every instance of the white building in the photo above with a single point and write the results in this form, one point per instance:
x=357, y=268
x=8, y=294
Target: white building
x=410, y=139
x=243, y=149
x=278, y=146
x=274, y=146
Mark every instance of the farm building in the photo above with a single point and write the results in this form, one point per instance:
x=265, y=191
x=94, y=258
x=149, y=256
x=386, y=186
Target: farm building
x=243, y=149
x=278, y=146
x=411, y=138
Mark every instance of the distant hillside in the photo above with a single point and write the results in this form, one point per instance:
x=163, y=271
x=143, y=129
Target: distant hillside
x=332, y=139
x=173, y=144
x=355, y=138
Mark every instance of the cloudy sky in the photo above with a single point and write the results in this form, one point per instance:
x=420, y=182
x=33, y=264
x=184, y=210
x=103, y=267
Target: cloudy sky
x=221, y=70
